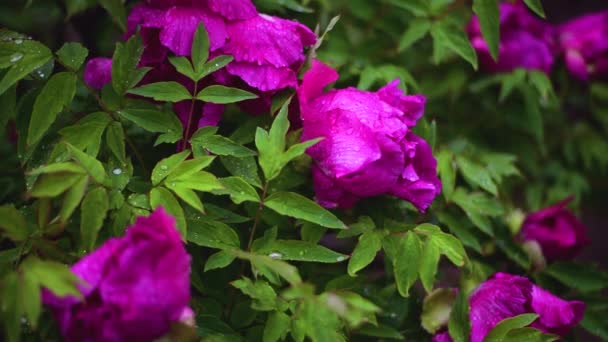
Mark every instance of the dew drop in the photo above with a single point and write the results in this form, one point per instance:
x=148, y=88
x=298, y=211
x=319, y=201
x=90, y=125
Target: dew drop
x=275, y=255
x=340, y=258
x=16, y=57
x=117, y=171
x=164, y=167
x=18, y=41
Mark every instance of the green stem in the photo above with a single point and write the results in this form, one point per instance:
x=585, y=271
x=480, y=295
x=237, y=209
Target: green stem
x=185, y=142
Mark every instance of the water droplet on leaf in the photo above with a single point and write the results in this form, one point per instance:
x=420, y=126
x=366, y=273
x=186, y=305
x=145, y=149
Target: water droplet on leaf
x=16, y=57
x=117, y=171
x=275, y=255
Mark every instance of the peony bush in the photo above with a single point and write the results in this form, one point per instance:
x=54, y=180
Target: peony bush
x=237, y=170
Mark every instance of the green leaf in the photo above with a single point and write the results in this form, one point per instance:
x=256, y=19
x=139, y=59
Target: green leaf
x=381, y=330
x=56, y=277
x=53, y=184
x=187, y=168
x=301, y=251
x=93, y=166
x=117, y=11
x=239, y=190
x=31, y=296
x=199, y=181
x=72, y=55
x=200, y=47
x=584, y=278
x=262, y=262
x=22, y=58
x=183, y=66
x=161, y=197
x=460, y=227
x=115, y=138
x=164, y=167
x=500, y=331
x=455, y=39
x=407, y=262
x=449, y=246
x=163, y=91
x=271, y=144
x=276, y=328
x=86, y=134
x=244, y=167
x=478, y=206
x=529, y=334
x=223, y=95
x=57, y=93
x=124, y=61
x=68, y=167
x=263, y=295
x=429, y=261
x=212, y=234
x=595, y=323
x=298, y=206
x=534, y=123
x=416, y=31
x=72, y=198
x=94, y=207
x=218, y=260
x=212, y=66
x=153, y=120
x=76, y=6
x=364, y=253
x=476, y=174
x=511, y=81
x=536, y=6
x=436, y=309
x=220, y=145
x=13, y=223
x=188, y=196
x=297, y=150
x=459, y=325
x=447, y=172
x=489, y=21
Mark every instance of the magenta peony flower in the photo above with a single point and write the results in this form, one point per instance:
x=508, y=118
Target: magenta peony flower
x=584, y=42
x=98, y=72
x=135, y=286
x=505, y=295
x=368, y=148
x=558, y=232
x=525, y=41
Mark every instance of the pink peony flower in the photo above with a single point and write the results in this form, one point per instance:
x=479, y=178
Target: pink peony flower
x=558, y=232
x=135, y=286
x=525, y=41
x=584, y=42
x=368, y=148
x=505, y=295
x=98, y=72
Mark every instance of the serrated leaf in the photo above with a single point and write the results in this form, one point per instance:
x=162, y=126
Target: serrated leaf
x=455, y=39
x=200, y=47
x=364, y=253
x=161, y=197
x=536, y=6
x=57, y=93
x=213, y=234
x=407, y=262
x=218, y=260
x=72, y=55
x=489, y=21
x=276, y=327
x=93, y=211
x=239, y=190
x=263, y=295
x=416, y=31
x=295, y=250
x=12, y=223
x=222, y=95
x=429, y=260
x=500, y=330
x=298, y=206
x=163, y=91
x=476, y=174
x=117, y=11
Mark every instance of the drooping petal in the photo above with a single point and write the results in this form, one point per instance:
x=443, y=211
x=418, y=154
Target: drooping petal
x=556, y=315
x=263, y=77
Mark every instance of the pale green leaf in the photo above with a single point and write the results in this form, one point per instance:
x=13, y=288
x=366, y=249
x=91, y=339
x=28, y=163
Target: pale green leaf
x=223, y=95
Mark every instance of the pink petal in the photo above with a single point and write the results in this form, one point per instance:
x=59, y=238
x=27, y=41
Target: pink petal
x=180, y=24
x=98, y=72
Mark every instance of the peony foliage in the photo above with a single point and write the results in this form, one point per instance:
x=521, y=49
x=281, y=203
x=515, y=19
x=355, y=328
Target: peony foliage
x=237, y=170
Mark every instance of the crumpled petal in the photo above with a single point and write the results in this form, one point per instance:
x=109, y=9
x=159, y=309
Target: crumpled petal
x=263, y=77
x=556, y=315
x=233, y=9
x=412, y=106
x=98, y=72
x=266, y=40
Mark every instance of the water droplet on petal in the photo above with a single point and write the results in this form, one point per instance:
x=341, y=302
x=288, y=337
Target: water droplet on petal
x=16, y=57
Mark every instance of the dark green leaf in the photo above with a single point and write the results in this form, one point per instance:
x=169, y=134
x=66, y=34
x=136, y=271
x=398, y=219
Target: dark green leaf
x=56, y=94
x=220, y=259
x=529, y=334
x=222, y=95
x=436, y=309
x=115, y=138
x=125, y=60
x=183, y=66
x=154, y=120
x=416, y=31
x=276, y=327
x=93, y=212
x=271, y=144
x=54, y=184
x=72, y=55
x=263, y=295
x=301, y=251
x=285, y=270
x=22, y=58
x=454, y=38
x=244, y=167
x=187, y=195
x=163, y=91
x=298, y=206
x=117, y=11
x=72, y=198
x=364, y=253
x=459, y=325
x=12, y=223
x=56, y=277
x=489, y=21
x=536, y=6
x=212, y=234
x=476, y=174
x=584, y=278
x=213, y=65
x=500, y=331
x=86, y=134
x=478, y=206
x=93, y=166
x=220, y=145
x=383, y=331
x=161, y=197
x=239, y=190
x=200, y=47
x=447, y=172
